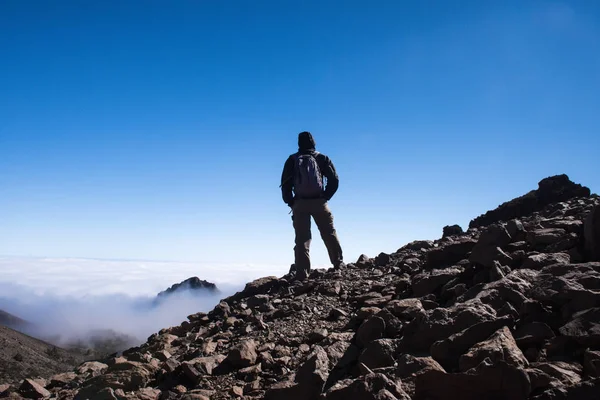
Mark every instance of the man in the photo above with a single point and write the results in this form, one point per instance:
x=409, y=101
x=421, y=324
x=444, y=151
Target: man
x=305, y=191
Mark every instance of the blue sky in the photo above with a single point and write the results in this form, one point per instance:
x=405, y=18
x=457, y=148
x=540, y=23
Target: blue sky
x=158, y=131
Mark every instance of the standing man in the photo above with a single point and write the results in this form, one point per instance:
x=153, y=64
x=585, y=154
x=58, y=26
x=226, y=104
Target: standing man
x=305, y=190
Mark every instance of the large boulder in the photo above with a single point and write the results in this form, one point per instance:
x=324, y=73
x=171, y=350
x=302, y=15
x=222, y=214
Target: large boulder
x=501, y=346
x=448, y=350
x=373, y=386
x=449, y=253
x=502, y=380
x=440, y=323
x=451, y=230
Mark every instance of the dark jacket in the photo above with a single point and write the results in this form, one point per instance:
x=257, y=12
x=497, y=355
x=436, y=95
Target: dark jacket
x=306, y=146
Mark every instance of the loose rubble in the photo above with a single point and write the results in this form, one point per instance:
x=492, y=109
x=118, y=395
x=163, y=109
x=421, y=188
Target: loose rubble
x=509, y=309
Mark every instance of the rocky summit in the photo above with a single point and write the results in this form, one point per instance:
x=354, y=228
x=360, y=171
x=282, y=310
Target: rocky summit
x=509, y=309
x=193, y=285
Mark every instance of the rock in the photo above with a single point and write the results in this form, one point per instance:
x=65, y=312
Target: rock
x=591, y=363
x=105, y=393
x=91, y=368
x=317, y=335
x=568, y=374
x=286, y=390
x=266, y=285
x=257, y=300
x=237, y=391
x=420, y=333
x=191, y=373
x=32, y=390
x=487, y=256
x=406, y=308
x=60, y=380
x=550, y=190
x=449, y=254
x=592, y=235
x=533, y=334
x=589, y=390
x=162, y=355
x=371, y=329
x=501, y=346
x=336, y=314
x=374, y=386
x=447, y=351
x=516, y=230
x=330, y=288
x=194, y=396
x=494, y=235
x=451, y=230
x=544, y=237
x=418, y=245
x=429, y=282
x=502, y=380
x=147, y=394
x=243, y=355
x=364, y=261
x=313, y=374
x=379, y=353
x=584, y=328
x=572, y=285
x=409, y=365
x=539, y=261
x=382, y=259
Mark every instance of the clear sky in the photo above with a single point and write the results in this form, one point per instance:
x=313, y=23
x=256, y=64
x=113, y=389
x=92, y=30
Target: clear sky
x=158, y=130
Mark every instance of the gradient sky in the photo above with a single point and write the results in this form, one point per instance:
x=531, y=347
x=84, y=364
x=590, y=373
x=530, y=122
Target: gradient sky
x=158, y=130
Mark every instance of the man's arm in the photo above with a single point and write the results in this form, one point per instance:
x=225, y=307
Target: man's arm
x=287, y=182
x=333, y=181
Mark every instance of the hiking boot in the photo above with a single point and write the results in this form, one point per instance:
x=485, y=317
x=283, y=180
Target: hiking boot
x=340, y=265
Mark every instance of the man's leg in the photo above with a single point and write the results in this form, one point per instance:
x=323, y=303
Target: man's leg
x=301, y=220
x=324, y=220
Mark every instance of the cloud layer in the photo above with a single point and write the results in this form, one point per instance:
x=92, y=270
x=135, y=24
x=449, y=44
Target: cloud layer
x=67, y=299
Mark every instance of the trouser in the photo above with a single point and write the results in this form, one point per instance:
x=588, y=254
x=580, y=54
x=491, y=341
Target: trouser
x=318, y=209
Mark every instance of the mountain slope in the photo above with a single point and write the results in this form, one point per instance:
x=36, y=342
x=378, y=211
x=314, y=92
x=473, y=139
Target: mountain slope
x=12, y=321
x=23, y=356
x=507, y=310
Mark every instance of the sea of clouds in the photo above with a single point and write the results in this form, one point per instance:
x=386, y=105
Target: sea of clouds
x=68, y=298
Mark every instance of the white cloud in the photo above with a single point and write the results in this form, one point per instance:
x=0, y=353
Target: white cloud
x=91, y=277
x=67, y=298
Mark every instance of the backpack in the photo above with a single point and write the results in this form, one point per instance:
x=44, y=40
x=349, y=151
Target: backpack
x=308, y=180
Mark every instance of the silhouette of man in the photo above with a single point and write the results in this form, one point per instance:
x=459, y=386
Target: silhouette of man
x=306, y=192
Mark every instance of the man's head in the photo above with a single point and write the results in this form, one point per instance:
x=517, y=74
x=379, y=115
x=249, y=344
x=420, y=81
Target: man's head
x=306, y=141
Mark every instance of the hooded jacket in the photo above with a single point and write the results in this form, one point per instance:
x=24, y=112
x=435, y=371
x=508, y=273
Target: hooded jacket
x=307, y=145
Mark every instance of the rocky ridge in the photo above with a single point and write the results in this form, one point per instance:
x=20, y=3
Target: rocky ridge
x=509, y=309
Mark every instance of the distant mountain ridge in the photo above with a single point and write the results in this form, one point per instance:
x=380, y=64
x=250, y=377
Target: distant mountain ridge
x=11, y=321
x=192, y=285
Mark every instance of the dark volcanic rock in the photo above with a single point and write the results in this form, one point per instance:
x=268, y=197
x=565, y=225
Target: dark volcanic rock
x=501, y=346
x=450, y=253
x=499, y=381
x=592, y=235
x=369, y=387
x=193, y=285
x=451, y=230
x=447, y=351
x=550, y=190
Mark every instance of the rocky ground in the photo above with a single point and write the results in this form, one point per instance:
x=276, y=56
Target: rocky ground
x=509, y=309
